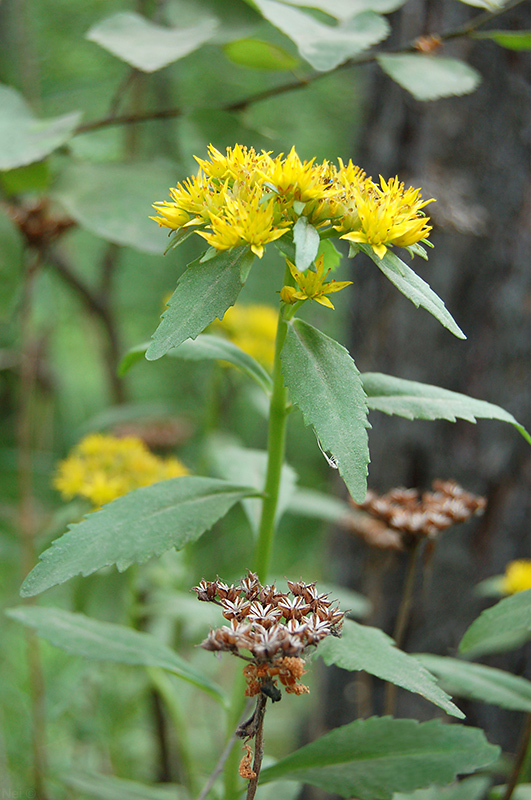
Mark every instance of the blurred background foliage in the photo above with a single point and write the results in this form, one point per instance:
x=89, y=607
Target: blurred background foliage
x=84, y=279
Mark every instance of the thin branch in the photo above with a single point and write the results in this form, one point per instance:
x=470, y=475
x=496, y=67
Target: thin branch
x=520, y=759
x=258, y=745
x=275, y=91
x=218, y=769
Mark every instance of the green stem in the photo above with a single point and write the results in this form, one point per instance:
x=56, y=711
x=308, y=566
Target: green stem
x=276, y=442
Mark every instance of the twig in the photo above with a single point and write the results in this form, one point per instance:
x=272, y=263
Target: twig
x=520, y=758
x=28, y=373
x=258, y=745
x=403, y=617
x=241, y=105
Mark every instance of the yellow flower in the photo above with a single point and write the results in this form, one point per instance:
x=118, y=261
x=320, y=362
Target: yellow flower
x=245, y=197
x=517, y=576
x=389, y=215
x=254, y=329
x=311, y=285
x=101, y=468
x=246, y=219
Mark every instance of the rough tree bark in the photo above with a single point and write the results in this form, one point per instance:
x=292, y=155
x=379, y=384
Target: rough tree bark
x=473, y=154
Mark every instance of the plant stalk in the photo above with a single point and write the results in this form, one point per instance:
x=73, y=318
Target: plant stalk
x=520, y=760
x=402, y=619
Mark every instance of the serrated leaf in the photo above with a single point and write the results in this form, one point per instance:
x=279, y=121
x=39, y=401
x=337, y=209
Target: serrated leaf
x=204, y=291
x=345, y=9
x=325, y=46
x=429, y=77
x=24, y=138
x=107, y=787
x=413, y=287
x=469, y=789
x=372, y=758
x=113, y=201
x=478, y=682
x=207, y=347
x=105, y=641
x=256, y=54
x=362, y=647
x=145, y=45
x=324, y=382
x=306, y=239
x=504, y=626
x=144, y=523
x=414, y=400
x=511, y=40
x=243, y=464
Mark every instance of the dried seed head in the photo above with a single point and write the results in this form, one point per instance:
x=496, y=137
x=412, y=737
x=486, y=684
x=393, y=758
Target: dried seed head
x=274, y=627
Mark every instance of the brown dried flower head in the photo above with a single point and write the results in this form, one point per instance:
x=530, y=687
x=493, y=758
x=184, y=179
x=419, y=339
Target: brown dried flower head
x=270, y=629
x=413, y=514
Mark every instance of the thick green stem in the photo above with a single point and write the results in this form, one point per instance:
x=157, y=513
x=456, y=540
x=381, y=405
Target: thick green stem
x=276, y=440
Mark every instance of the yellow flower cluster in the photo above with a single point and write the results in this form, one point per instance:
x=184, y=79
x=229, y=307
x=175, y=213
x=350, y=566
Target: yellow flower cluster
x=517, y=576
x=101, y=468
x=245, y=197
x=253, y=328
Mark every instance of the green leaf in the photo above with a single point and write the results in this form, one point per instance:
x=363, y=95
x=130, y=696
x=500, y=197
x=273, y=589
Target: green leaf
x=207, y=346
x=242, y=464
x=345, y=9
x=362, y=647
x=324, y=382
x=144, y=523
x=25, y=139
x=317, y=505
x=113, y=201
x=325, y=46
x=429, y=77
x=32, y=178
x=372, y=758
x=256, y=54
x=512, y=40
x=205, y=291
x=478, y=682
x=145, y=45
x=520, y=792
x=306, y=239
x=469, y=789
x=414, y=400
x=105, y=641
x=107, y=787
x=504, y=626
x=331, y=255
x=355, y=604
x=413, y=287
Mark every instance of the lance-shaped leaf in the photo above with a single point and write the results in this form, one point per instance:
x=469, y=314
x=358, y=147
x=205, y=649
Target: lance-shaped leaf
x=25, y=139
x=504, y=626
x=473, y=788
x=107, y=787
x=325, y=46
x=414, y=400
x=413, y=287
x=205, y=291
x=478, y=682
x=372, y=758
x=207, y=347
x=429, y=77
x=145, y=45
x=104, y=641
x=512, y=40
x=324, y=382
x=245, y=465
x=345, y=9
x=144, y=523
x=362, y=647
